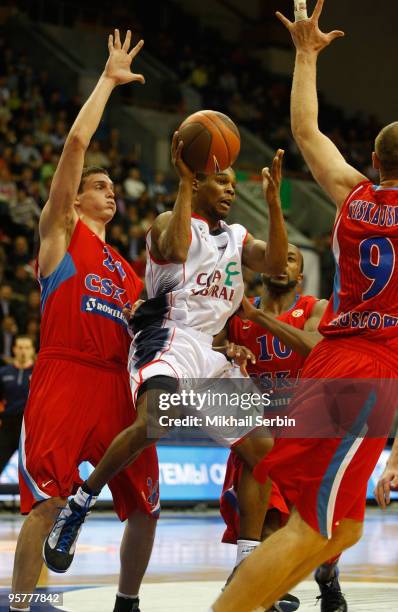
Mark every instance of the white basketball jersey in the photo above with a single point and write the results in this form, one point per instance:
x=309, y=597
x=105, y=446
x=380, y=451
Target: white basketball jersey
x=206, y=290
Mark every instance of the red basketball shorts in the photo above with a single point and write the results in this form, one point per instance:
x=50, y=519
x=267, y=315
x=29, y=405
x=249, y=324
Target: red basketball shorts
x=73, y=413
x=326, y=478
x=229, y=502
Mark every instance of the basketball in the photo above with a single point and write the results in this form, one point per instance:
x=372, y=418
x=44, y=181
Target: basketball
x=211, y=141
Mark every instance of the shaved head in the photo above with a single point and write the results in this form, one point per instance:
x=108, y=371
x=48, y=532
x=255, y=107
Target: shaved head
x=386, y=147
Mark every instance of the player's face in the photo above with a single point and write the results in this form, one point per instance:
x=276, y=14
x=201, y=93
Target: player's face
x=23, y=350
x=292, y=274
x=216, y=193
x=97, y=200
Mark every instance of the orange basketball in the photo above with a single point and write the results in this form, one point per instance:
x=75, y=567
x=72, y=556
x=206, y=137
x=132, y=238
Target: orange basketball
x=211, y=141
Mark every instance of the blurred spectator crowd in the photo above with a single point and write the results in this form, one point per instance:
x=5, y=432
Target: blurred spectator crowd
x=35, y=118
x=232, y=82
x=230, y=78
x=34, y=122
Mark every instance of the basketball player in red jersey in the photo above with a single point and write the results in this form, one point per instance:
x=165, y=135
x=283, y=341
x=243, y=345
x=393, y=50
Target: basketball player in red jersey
x=326, y=478
x=279, y=329
x=80, y=397
x=273, y=364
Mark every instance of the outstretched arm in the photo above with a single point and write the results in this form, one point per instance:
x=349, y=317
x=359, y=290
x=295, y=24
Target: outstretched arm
x=58, y=213
x=171, y=231
x=327, y=164
x=269, y=257
x=302, y=341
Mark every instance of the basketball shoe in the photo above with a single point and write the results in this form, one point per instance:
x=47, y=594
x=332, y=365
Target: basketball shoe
x=126, y=604
x=287, y=603
x=331, y=597
x=59, y=546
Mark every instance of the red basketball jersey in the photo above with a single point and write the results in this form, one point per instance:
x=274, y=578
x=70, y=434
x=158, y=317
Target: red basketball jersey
x=274, y=361
x=82, y=300
x=365, y=247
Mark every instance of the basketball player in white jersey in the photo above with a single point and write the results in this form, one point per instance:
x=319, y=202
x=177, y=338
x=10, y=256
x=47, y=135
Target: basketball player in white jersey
x=194, y=283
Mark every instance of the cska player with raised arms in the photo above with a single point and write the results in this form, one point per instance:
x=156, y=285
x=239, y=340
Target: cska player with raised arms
x=80, y=397
x=271, y=338
x=325, y=479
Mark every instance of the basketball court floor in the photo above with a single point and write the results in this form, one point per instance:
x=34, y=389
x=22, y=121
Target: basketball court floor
x=189, y=565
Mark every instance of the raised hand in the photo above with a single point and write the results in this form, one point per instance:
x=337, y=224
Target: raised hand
x=272, y=180
x=176, y=157
x=118, y=66
x=306, y=34
x=387, y=482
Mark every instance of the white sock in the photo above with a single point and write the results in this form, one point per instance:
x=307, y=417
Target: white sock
x=119, y=594
x=83, y=499
x=20, y=609
x=244, y=548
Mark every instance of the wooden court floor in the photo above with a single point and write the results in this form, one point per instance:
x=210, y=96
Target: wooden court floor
x=189, y=565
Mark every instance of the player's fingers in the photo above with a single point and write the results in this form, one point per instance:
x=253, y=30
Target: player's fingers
x=117, y=39
x=275, y=166
x=127, y=313
x=317, y=10
x=286, y=22
x=110, y=43
x=139, y=77
x=231, y=349
x=127, y=41
x=279, y=158
x=136, y=305
x=386, y=492
x=394, y=482
x=250, y=356
x=243, y=368
x=174, y=144
x=379, y=494
x=135, y=50
x=179, y=147
x=267, y=179
x=335, y=34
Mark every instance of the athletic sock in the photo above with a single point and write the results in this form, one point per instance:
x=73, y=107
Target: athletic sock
x=19, y=609
x=86, y=489
x=326, y=572
x=126, y=603
x=244, y=548
x=84, y=497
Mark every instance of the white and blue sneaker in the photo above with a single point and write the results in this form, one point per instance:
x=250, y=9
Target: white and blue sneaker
x=59, y=546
